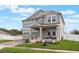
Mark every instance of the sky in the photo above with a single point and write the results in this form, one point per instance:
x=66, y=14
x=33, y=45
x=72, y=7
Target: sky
x=11, y=16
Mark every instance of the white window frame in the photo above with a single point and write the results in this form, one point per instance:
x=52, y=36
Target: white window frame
x=51, y=18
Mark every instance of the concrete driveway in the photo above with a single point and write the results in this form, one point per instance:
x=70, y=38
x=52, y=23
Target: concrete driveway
x=11, y=43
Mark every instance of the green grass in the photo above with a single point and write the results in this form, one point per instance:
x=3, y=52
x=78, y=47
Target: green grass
x=19, y=50
x=62, y=45
x=1, y=41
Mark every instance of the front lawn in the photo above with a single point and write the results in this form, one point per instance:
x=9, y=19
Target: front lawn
x=19, y=50
x=2, y=41
x=62, y=45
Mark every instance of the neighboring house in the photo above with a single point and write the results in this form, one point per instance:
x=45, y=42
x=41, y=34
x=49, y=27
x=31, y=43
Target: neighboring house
x=3, y=32
x=6, y=36
x=44, y=25
x=3, y=35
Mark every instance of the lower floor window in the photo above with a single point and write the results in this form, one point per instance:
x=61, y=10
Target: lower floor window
x=49, y=34
x=54, y=33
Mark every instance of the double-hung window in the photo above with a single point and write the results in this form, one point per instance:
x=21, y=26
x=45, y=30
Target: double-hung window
x=51, y=18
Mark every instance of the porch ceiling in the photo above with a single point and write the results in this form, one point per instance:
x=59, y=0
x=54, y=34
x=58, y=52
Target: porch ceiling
x=44, y=26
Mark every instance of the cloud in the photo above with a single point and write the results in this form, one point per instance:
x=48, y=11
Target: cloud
x=17, y=9
x=25, y=14
x=18, y=18
x=11, y=7
x=1, y=20
x=72, y=23
x=76, y=16
x=1, y=7
x=21, y=10
x=12, y=26
x=11, y=18
x=4, y=17
x=68, y=12
x=72, y=20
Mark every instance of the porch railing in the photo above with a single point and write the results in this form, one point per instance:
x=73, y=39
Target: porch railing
x=53, y=37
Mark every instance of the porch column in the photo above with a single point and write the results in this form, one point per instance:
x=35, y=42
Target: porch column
x=40, y=32
x=30, y=34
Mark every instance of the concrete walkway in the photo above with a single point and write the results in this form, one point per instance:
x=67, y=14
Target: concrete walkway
x=53, y=50
x=10, y=44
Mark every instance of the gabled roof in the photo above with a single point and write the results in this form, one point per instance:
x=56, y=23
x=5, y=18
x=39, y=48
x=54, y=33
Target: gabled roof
x=39, y=13
x=42, y=13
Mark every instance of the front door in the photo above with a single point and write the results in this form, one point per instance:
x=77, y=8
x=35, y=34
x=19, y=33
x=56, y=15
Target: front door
x=51, y=32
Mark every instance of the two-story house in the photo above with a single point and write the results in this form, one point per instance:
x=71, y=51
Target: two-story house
x=44, y=25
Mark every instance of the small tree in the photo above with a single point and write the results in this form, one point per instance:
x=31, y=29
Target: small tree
x=75, y=32
x=12, y=31
x=15, y=32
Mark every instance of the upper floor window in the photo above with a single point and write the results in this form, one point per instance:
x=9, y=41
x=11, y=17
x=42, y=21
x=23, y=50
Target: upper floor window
x=51, y=18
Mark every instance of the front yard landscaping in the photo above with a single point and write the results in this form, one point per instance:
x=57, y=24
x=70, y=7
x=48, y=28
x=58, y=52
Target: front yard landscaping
x=62, y=45
x=27, y=48
x=19, y=50
x=2, y=41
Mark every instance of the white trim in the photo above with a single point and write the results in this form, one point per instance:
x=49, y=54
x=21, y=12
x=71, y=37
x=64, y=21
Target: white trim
x=51, y=18
x=40, y=32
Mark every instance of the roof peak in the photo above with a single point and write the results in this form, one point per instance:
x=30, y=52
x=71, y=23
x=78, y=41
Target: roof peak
x=40, y=13
x=49, y=11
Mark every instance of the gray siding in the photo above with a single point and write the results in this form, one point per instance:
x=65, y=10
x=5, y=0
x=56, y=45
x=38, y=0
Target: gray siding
x=26, y=25
x=35, y=33
x=27, y=28
x=58, y=18
x=40, y=21
x=46, y=19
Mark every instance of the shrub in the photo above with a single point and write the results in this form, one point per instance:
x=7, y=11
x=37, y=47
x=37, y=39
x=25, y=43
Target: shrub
x=27, y=40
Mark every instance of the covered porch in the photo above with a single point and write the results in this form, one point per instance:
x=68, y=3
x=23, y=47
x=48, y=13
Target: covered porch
x=44, y=32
